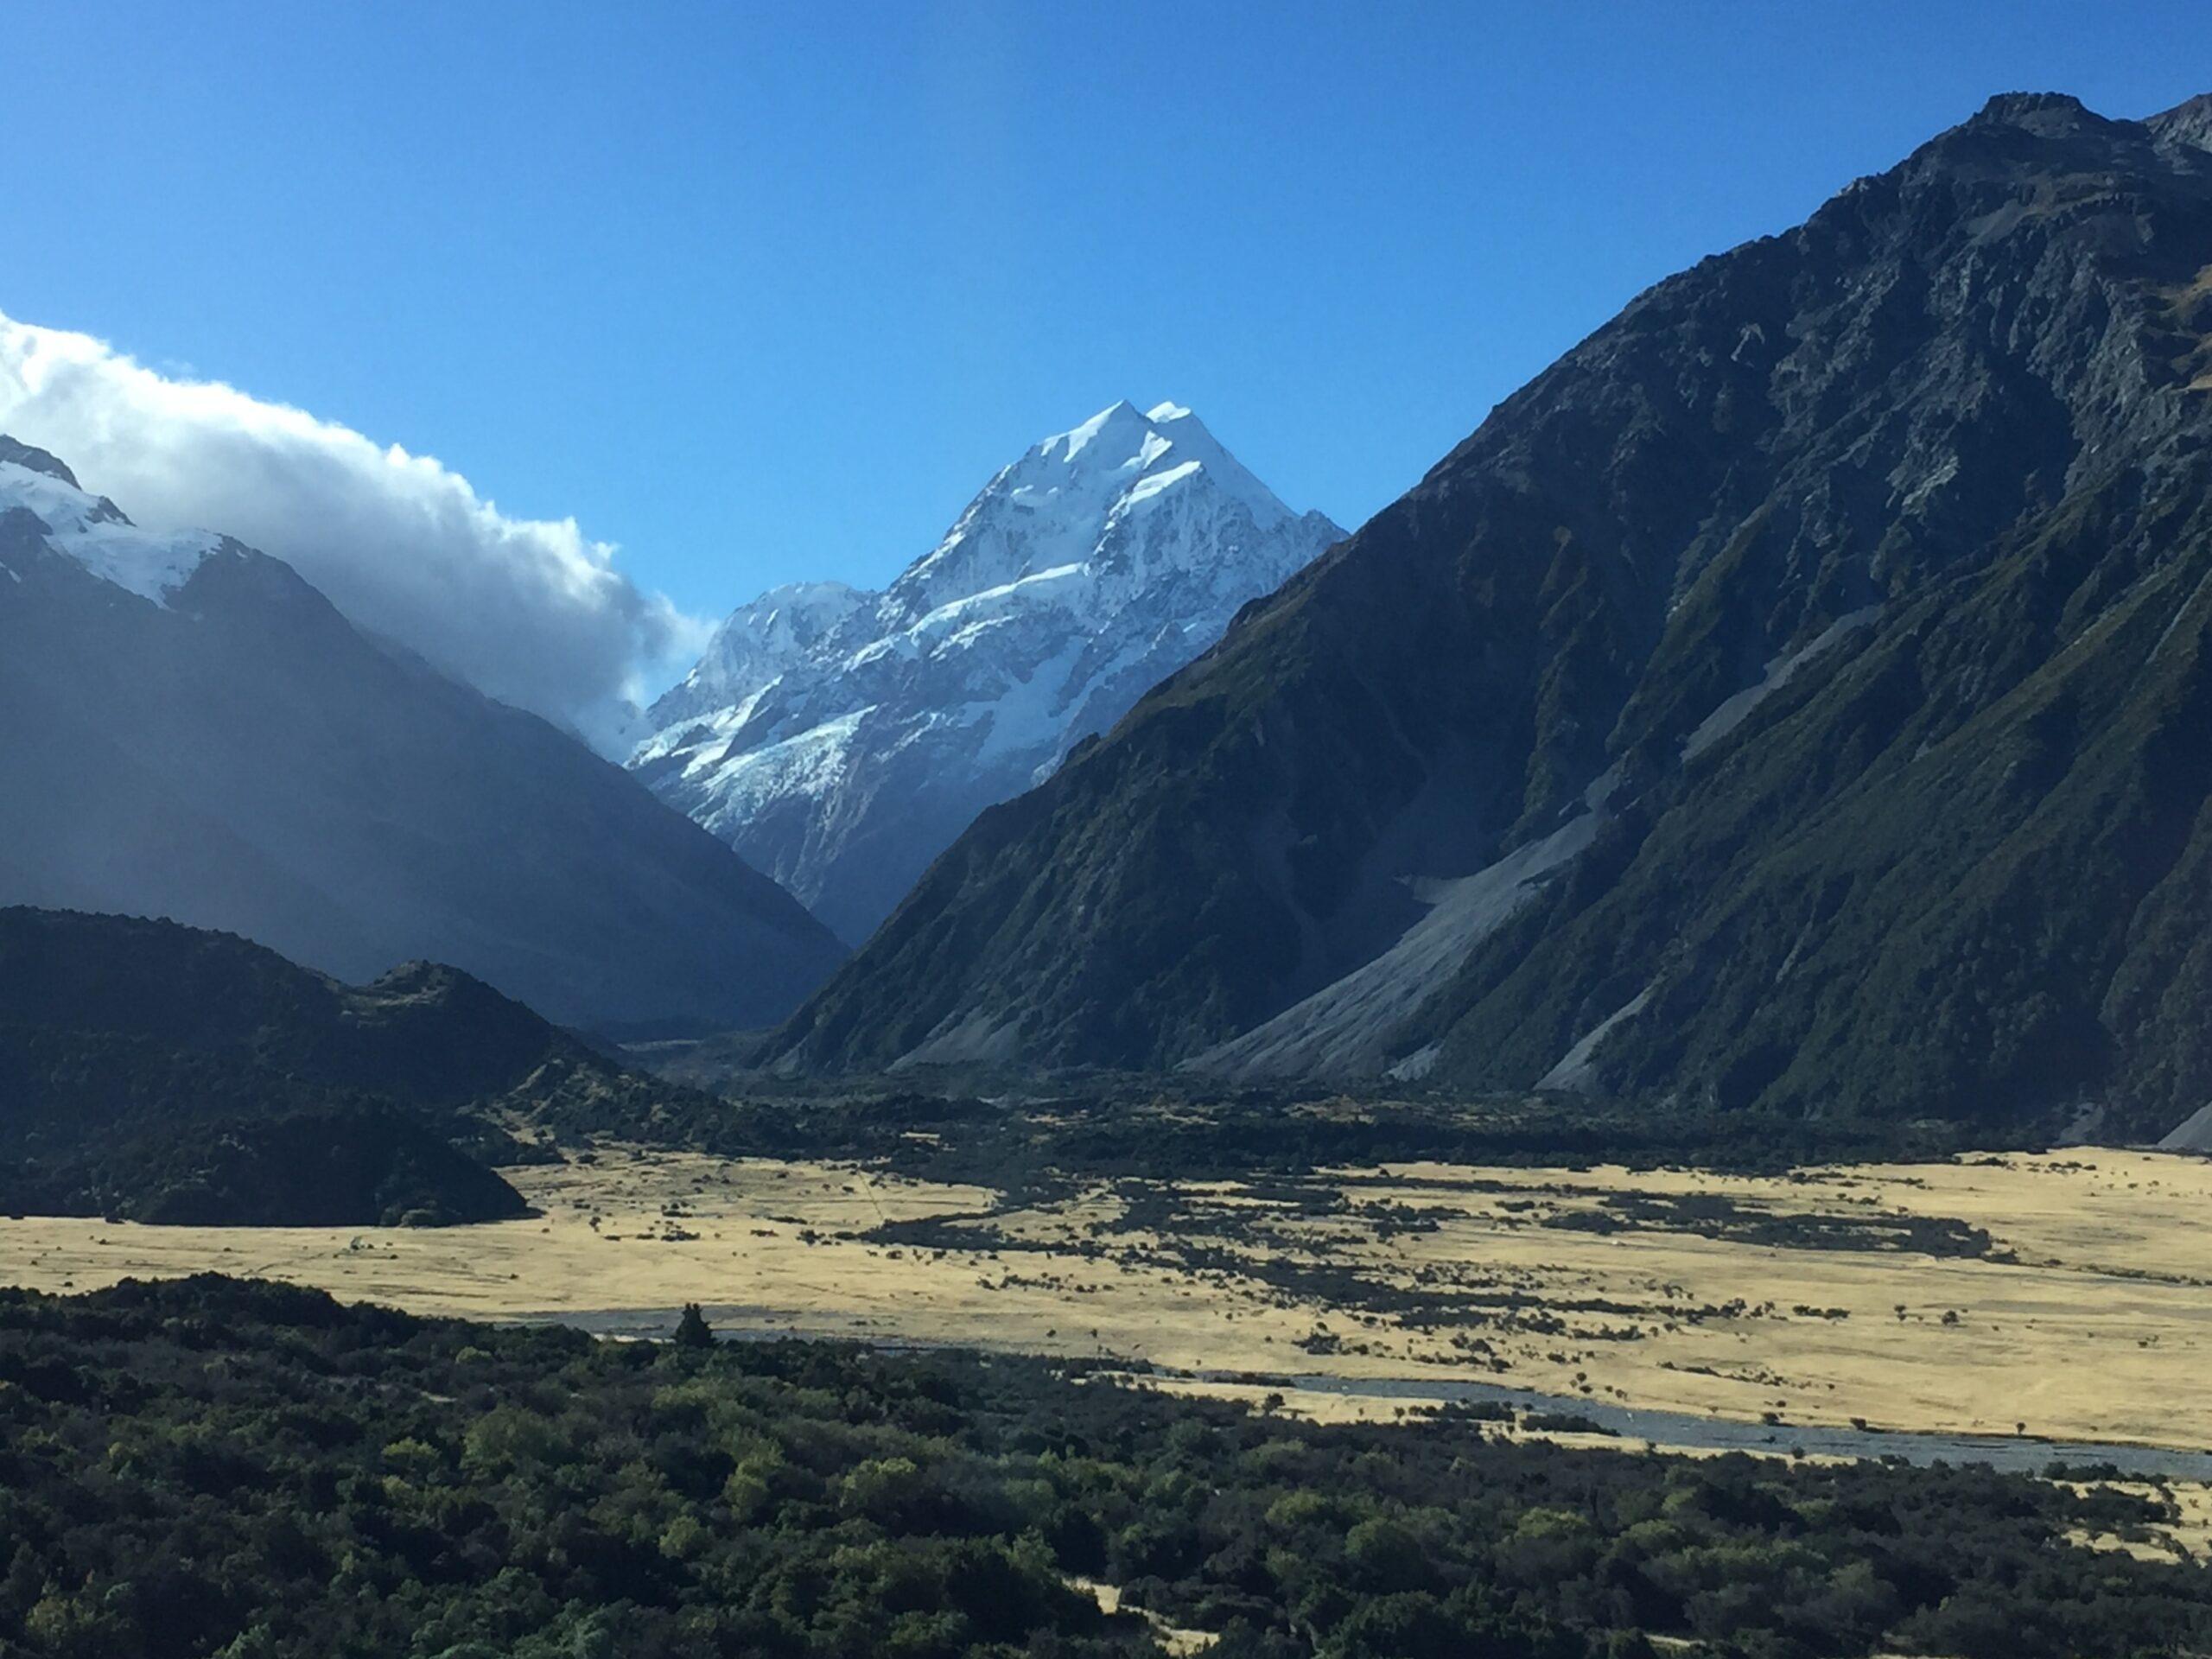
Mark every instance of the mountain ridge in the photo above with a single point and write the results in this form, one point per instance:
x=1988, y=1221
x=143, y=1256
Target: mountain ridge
x=1953, y=427
x=194, y=731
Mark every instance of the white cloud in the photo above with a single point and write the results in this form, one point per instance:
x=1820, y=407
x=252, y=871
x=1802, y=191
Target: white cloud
x=529, y=610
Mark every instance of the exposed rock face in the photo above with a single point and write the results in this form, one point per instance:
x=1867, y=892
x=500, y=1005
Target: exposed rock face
x=1798, y=697
x=189, y=730
x=34, y=460
x=841, y=739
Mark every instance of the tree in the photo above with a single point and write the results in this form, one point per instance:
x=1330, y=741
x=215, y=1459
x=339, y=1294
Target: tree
x=692, y=1330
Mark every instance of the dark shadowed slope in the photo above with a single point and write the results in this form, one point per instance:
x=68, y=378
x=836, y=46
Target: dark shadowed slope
x=1799, y=696
x=166, y=1073
x=187, y=729
x=422, y=1033
x=158, y=1073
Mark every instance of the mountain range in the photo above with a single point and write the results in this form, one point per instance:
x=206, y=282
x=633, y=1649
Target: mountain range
x=1797, y=699
x=192, y=731
x=840, y=739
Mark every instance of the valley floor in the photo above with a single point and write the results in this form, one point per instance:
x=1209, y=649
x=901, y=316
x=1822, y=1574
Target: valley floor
x=2060, y=1296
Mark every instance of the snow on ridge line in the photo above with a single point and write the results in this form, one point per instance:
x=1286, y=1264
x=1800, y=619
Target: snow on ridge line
x=94, y=530
x=1074, y=441
x=1040, y=524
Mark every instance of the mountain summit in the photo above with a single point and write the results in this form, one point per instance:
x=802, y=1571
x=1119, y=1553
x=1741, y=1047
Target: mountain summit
x=1797, y=698
x=840, y=739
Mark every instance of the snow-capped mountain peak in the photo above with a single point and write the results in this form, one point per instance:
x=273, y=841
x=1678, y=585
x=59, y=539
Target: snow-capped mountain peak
x=1052, y=508
x=92, y=531
x=756, y=642
x=840, y=739
x=1104, y=429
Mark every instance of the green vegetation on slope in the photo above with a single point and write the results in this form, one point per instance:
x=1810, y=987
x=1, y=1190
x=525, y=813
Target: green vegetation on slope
x=106, y=1125
x=1886, y=896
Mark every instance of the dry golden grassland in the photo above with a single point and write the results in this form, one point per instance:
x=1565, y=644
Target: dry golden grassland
x=1865, y=1292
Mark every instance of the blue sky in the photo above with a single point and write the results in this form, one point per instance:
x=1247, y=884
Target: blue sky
x=762, y=292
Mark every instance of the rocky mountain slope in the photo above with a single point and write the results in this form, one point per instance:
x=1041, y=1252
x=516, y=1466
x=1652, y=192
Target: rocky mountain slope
x=841, y=739
x=1797, y=698
x=188, y=729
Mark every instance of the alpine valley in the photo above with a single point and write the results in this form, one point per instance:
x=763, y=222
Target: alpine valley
x=841, y=739
x=1612, y=1065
